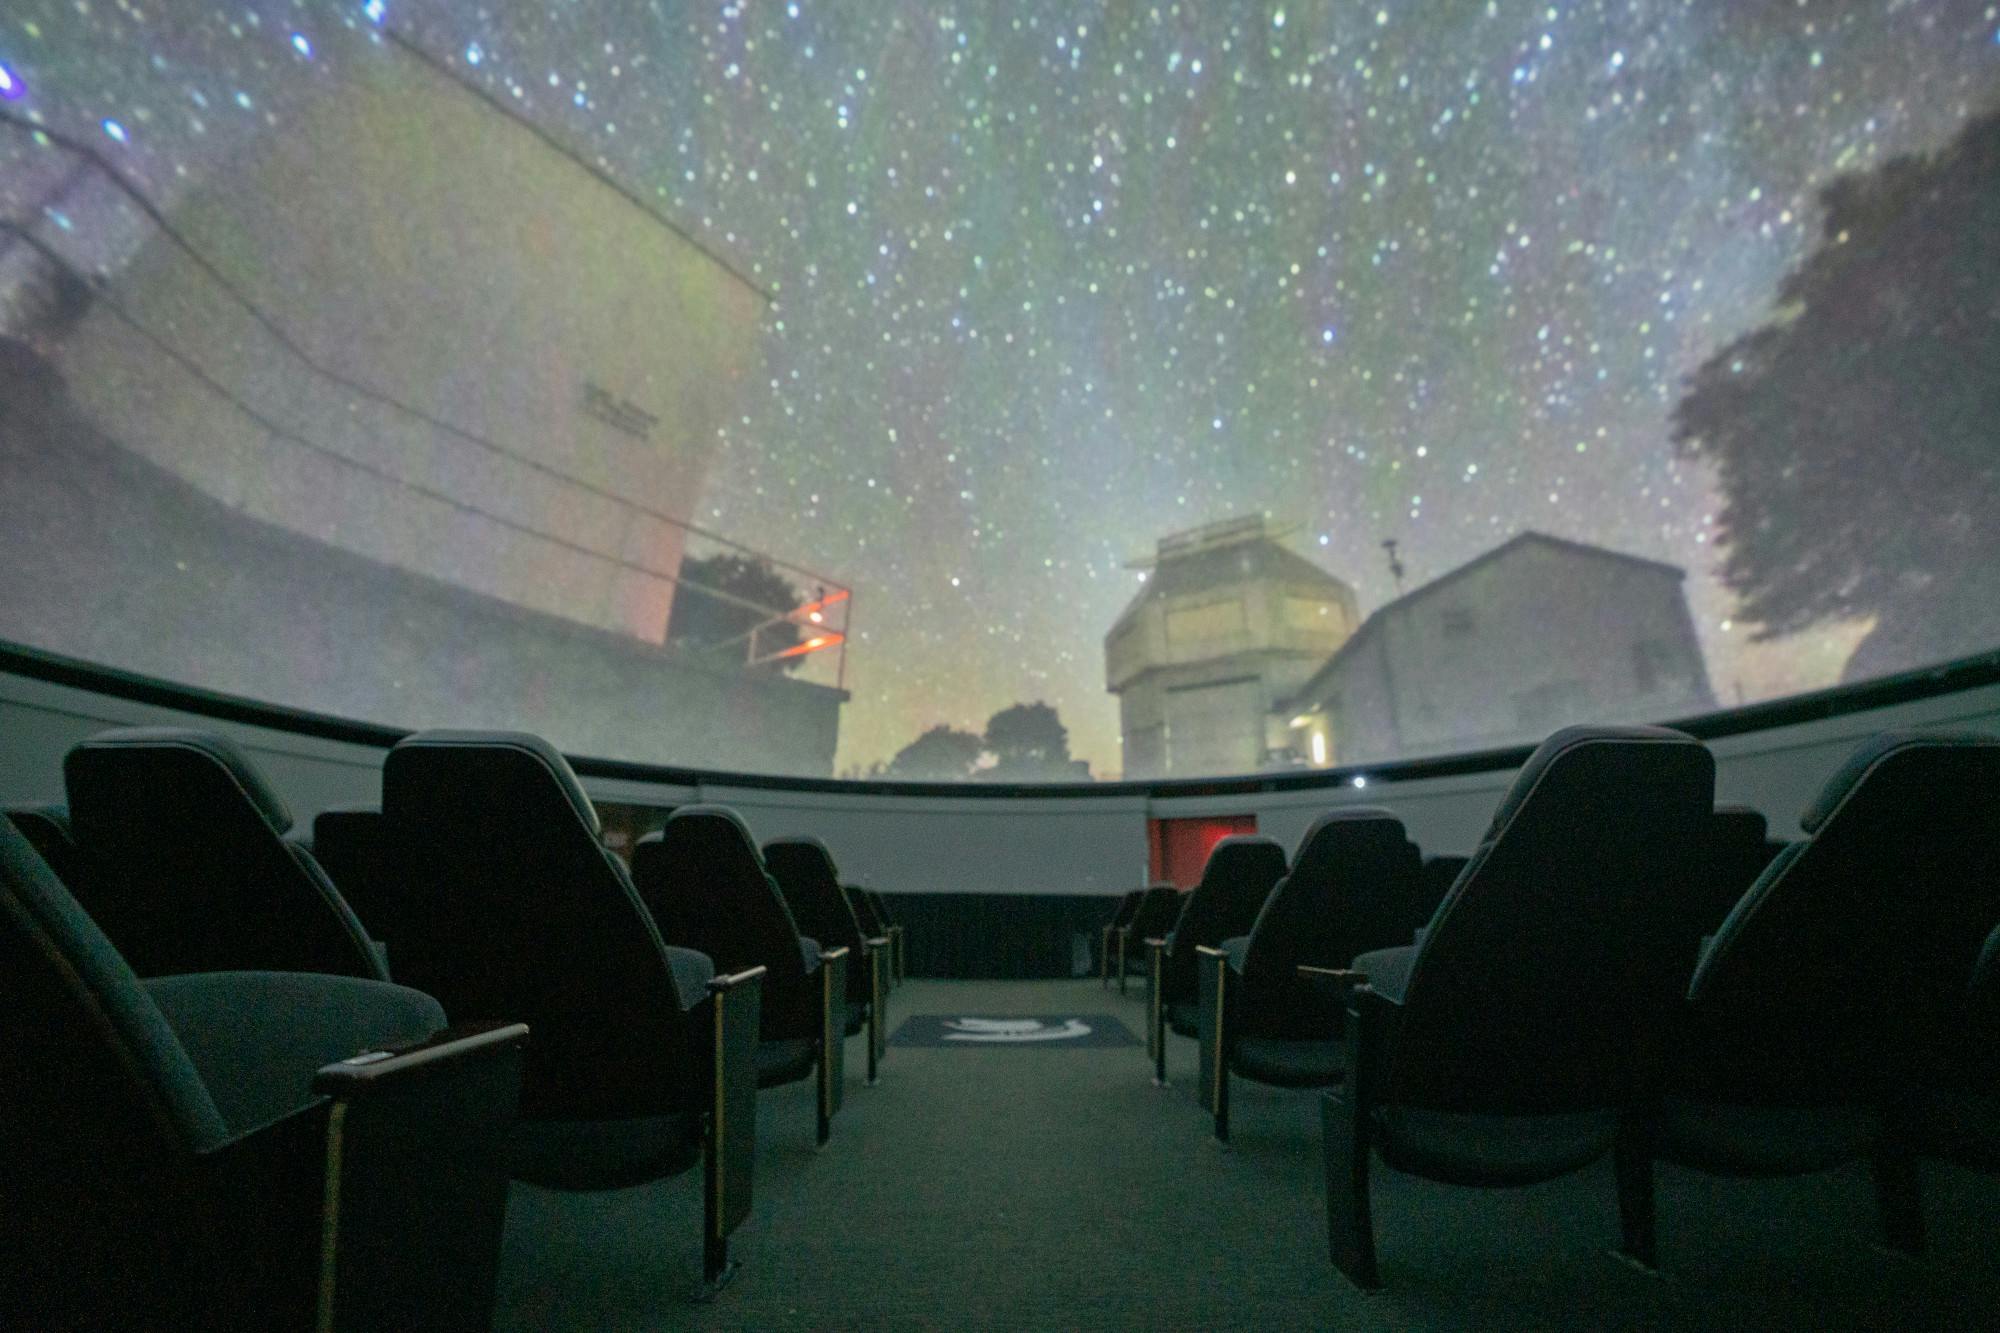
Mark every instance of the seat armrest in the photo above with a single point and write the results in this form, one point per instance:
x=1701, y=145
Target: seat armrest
x=379, y=1203
x=1332, y=982
x=360, y=1075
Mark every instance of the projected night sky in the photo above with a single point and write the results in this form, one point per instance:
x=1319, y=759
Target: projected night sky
x=1054, y=279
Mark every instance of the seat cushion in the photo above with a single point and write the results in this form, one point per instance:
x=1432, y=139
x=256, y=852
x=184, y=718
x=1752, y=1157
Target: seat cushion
x=1466, y=1149
x=1289, y=1064
x=857, y=1016
x=1184, y=1018
x=785, y=1061
x=1764, y=1140
x=259, y=1037
x=604, y=1154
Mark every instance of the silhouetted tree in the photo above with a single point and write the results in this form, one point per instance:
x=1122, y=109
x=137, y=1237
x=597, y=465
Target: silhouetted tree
x=1857, y=434
x=941, y=754
x=1028, y=741
x=702, y=621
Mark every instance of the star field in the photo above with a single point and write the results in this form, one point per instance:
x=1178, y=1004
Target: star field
x=1053, y=279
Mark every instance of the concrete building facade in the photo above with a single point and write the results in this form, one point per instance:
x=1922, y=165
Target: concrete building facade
x=1536, y=634
x=1230, y=622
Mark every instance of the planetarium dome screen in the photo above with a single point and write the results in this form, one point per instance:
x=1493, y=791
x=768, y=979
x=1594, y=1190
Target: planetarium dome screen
x=1034, y=391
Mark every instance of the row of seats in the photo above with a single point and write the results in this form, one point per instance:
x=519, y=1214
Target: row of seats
x=240, y=975
x=1622, y=968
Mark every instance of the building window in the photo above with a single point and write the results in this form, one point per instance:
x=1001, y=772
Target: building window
x=1456, y=622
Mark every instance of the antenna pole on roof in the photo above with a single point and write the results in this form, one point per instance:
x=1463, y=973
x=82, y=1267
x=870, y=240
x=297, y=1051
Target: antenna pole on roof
x=1395, y=565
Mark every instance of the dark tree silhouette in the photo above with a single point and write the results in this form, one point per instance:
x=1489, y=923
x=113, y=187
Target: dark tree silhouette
x=718, y=625
x=941, y=754
x=1857, y=434
x=1027, y=741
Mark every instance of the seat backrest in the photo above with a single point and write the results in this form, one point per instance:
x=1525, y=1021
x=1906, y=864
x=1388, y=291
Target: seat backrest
x=810, y=884
x=1545, y=978
x=198, y=876
x=1153, y=918
x=1126, y=907
x=102, y=1108
x=806, y=877
x=1439, y=873
x=46, y=827
x=1352, y=887
x=513, y=910
x=883, y=912
x=865, y=910
x=1235, y=881
x=1851, y=953
x=701, y=878
x=1740, y=849
x=351, y=845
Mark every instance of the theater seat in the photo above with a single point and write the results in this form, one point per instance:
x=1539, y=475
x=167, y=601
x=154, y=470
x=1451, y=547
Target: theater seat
x=805, y=874
x=1159, y=909
x=1235, y=881
x=868, y=911
x=701, y=878
x=1353, y=886
x=1108, y=936
x=1836, y=981
x=196, y=873
x=349, y=844
x=1954, y=1108
x=897, y=939
x=644, y=1061
x=1525, y=1023
x=236, y=1149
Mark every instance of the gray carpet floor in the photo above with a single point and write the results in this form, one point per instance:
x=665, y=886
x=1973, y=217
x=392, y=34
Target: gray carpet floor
x=1034, y=1187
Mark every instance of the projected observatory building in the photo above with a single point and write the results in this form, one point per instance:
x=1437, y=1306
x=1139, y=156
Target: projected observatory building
x=471, y=440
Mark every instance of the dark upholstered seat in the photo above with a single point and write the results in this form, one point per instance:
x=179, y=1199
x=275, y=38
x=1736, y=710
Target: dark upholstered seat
x=1120, y=918
x=1153, y=917
x=173, y=1147
x=805, y=874
x=1954, y=1108
x=47, y=829
x=1836, y=982
x=868, y=911
x=1354, y=885
x=1536, y=1000
x=701, y=878
x=197, y=874
x=350, y=843
x=886, y=914
x=512, y=908
x=1238, y=876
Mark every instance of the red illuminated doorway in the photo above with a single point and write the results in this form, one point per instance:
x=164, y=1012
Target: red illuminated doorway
x=1177, y=849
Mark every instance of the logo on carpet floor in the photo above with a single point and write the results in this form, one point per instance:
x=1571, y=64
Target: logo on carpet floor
x=975, y=1030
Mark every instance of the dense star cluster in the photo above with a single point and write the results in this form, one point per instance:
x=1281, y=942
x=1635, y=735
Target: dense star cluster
x=1054, y=279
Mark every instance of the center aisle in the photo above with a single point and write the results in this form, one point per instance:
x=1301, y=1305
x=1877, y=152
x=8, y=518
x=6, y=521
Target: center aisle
x=1003, y=1186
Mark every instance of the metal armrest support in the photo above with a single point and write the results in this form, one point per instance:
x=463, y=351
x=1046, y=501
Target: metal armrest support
x=415, y=1187
x=878, y=999
x=736, y=1002
x=1212, y=966
x=1156, y=1009
x=832, y=1037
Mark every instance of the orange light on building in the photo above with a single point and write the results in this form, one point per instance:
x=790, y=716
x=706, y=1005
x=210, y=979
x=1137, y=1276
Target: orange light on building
x=817, y=643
